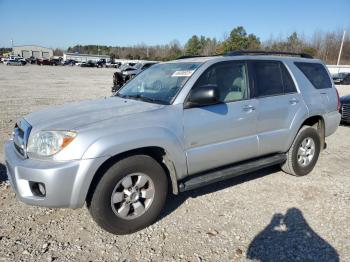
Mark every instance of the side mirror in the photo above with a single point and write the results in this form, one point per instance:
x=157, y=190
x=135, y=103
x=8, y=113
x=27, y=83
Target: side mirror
x=203, y=96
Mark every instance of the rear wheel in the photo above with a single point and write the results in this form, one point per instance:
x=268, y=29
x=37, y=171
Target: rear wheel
x=130, y=195
x=304, y=152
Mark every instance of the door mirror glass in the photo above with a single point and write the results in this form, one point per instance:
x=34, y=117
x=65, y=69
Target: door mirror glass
x=203, y=96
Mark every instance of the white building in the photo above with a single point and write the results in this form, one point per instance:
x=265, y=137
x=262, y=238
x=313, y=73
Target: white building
x=336, y=69
x=36, y=51
x=85, y=57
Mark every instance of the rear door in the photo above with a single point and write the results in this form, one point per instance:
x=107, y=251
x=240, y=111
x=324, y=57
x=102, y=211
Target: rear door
x=224, y=133
x=279, y=103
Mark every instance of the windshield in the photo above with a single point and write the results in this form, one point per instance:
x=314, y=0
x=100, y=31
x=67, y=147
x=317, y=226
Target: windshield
x=160, y=83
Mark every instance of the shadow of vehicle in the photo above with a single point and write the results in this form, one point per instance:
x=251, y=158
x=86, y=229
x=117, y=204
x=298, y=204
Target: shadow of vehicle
x=174, y=202
x=3, y=175
x=289, y=238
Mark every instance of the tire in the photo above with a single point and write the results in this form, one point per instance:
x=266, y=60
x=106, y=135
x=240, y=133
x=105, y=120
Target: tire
x=299, y=163
x=105, y=212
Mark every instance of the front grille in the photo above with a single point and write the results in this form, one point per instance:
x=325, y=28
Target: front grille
x=20, y=136
x=345, y=112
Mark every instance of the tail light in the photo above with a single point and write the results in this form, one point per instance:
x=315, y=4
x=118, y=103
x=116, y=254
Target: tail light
x=338, y=107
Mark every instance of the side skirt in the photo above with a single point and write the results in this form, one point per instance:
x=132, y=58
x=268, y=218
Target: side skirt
x=221, y=174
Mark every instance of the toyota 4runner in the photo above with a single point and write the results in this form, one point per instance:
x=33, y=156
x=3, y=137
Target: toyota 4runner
x=177, y=126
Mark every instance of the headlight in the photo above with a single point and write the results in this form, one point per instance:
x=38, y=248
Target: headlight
x=48, y=143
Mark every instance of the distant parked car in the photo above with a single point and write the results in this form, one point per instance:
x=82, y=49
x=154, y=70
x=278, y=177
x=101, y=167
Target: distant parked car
x=56, y=62
x=101, y=63
x=70, y=62
x=15, y=61
x=346, y=80
x=79, y=63
x=44, y=62
x=345, y=109
x=31, y=60
x=88, y=64
x=127, y=72
x=341, y=79
x=113, y=64
x=136, y=69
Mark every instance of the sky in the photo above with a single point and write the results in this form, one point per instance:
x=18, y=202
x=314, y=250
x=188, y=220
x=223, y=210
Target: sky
x=63, y=23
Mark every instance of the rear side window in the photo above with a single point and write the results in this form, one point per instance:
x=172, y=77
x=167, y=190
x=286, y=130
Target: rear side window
x=272, y=78
x=316, y=73
x=268, y=78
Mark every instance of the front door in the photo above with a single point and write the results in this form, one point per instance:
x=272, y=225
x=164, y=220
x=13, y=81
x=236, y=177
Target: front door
x=224, y=133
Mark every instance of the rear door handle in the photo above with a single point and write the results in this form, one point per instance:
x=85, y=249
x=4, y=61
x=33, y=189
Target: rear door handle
x=293, y=101
x=248, y=108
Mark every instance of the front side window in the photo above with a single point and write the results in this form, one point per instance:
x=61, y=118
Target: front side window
x=316, y=73
x=160, y=83
x=230, y=78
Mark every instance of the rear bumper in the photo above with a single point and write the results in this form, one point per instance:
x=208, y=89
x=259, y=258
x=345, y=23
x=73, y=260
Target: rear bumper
x=66, y=182
x=332, y=121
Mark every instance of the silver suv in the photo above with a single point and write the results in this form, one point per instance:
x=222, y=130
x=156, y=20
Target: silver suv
x=177, y=126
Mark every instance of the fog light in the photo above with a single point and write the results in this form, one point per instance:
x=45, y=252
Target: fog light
x=38, y=189
x=42, y=189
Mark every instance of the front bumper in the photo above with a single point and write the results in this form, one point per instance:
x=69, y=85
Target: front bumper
x=66, y=182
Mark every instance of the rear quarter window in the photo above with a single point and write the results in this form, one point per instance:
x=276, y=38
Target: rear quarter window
x=316, y=74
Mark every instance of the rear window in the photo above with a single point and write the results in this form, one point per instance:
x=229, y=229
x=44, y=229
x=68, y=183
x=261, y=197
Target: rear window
x=316, y=73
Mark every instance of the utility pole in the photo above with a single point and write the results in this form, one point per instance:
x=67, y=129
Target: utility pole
x=12, y=46
x=341, y=48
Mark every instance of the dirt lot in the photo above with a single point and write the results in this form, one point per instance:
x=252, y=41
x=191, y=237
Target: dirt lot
x=267, y=215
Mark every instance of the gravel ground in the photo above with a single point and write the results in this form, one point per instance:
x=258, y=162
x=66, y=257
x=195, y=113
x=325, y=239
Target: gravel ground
x=264, y=216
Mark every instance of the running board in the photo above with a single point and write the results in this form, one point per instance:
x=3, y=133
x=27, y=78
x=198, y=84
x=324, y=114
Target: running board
x=217, y=175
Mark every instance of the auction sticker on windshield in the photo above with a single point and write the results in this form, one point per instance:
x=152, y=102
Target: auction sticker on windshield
x=182, y=73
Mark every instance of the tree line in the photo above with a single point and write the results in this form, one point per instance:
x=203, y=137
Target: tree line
x=323, y=45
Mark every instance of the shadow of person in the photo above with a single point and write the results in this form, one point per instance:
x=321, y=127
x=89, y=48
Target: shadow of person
x=289, y=238
x=3, y=175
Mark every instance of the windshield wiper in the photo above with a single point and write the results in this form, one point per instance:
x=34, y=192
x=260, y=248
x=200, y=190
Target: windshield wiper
x=144, y=99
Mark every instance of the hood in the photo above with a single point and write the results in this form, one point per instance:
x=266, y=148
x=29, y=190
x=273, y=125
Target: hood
x=345, y=99
x=74, y=116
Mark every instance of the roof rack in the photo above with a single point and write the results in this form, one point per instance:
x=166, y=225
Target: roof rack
x=261, y=52
x=189, y=56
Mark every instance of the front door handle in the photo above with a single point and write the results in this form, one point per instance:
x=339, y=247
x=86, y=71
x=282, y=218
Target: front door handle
x=293, y=101
x=248, y=108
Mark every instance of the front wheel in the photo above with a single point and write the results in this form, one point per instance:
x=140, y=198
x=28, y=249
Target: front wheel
x=303, y=154
x=130, y=195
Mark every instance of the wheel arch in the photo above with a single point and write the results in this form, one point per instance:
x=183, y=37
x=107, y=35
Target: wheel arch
x=317, y=122
x=157, y=153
